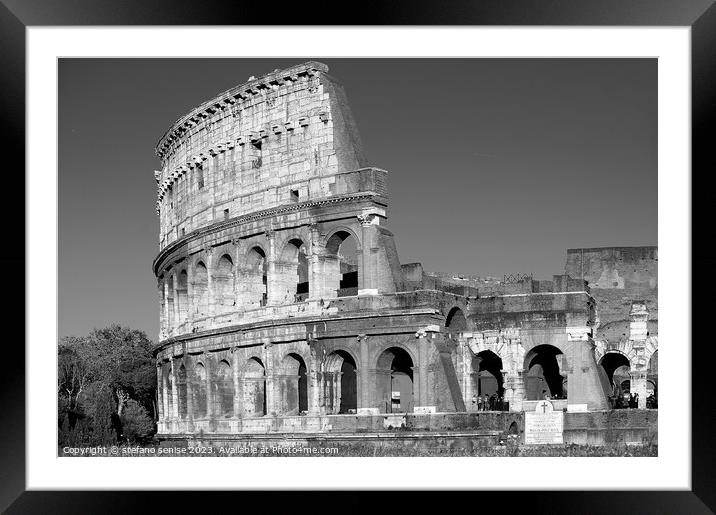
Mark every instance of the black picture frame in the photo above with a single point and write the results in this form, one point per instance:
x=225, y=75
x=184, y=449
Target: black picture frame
x=700, y=15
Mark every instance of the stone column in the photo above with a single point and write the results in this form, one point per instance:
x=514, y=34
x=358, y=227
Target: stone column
x=177, y=319
x=175, y=390
x=421, y=398
x=638, y=320
x=514, y=385
x=638, y=385
x=467, y=381
x=238, y=391
x=189, y=368
x=209, y=391
x=189, y=295
x=271, y=404
x=366, y=276
x=161, y=393
x=315, y=366
x=272, y=281
x=210, y=294
x=364, y=386
x=315, y=288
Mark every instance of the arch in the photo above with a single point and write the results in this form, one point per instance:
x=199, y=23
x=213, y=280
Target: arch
x=611, y=362
x=292, y=271
x=394, y=381
x=183, y=296
x=455, y=320
x=223, y=390
x=340, y=382
x=199, y=393
x=544, y=367
x=293, y=385
x=200, y=285
x=254, y=388
x=487, y=374
x=224, y=283
x=341, y=264
x=182, y=392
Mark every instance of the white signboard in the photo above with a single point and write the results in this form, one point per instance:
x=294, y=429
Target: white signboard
x=544, y=425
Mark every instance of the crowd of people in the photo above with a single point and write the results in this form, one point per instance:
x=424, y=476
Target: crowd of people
x=492, y=402
x=631, y=400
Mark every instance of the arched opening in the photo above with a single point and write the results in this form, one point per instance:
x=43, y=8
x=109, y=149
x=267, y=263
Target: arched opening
x=293, y=384
x=223, y=390
x=201, y=289
x=340, y=383
x=183, y=296
x=256, y=278
x=611, y=362
x=487, y=377
x=292, y=271
x=199, y=391
x=395, y=380
x=455, y=321
x=340, y=265
x=254, y=388
x=182, y=392
x=544, y=373
x=224, y=284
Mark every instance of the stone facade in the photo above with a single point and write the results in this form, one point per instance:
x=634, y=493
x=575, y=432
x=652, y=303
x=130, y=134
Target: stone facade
x=624, y=283
x=284, y=304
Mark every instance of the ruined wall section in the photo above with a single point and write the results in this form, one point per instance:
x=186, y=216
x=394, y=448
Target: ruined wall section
x=276, y=140
x=617, y=276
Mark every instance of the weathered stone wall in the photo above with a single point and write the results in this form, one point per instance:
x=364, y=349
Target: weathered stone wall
x=267, y=324
x=617, y=276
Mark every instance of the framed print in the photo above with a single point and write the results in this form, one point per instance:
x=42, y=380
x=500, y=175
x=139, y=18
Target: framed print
x=393, y=255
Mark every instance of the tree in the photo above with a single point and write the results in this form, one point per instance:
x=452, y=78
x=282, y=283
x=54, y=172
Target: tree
x=98, y=376
x=121, y=358
x=101, y=409
x=137, y=425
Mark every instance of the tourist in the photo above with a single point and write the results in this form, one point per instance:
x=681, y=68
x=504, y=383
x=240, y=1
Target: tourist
x=486, y=403
x=479, y=403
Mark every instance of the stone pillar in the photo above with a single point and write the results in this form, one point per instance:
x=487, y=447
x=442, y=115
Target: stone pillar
x=638, y=319
x=367, y=284
x=467, y=375
x=364, y=386
x=189, y=368
x=271, y=404
x=161, y=393
x=315, y=287
x=189, y=295
x=514, y=385
x=177, y=319
x=337, y=391
x=209, y=390
x=210, y=294
x=421, y=398
x=238, y=391
x=164, y=326
x=638, y=385
x=272, y=280
x=315, y=367
x=175, y=391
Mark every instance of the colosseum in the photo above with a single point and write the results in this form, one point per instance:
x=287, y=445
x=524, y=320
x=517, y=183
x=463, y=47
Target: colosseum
x=285, y=307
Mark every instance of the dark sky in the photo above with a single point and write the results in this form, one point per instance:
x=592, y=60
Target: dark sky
x=495, y=165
